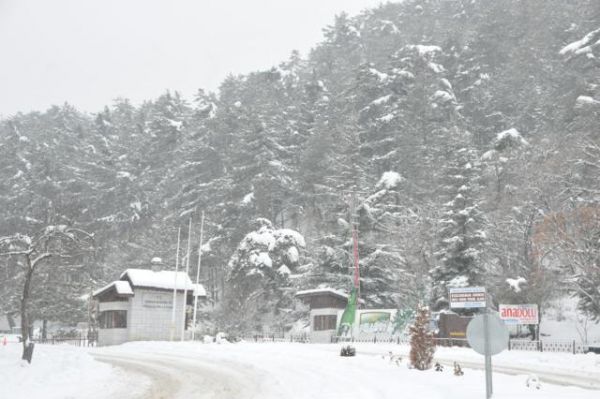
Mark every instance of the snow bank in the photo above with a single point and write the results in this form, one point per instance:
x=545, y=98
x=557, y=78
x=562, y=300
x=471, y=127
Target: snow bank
x=63, y=372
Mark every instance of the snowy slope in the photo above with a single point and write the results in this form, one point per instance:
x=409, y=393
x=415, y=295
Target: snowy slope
x=63, y=372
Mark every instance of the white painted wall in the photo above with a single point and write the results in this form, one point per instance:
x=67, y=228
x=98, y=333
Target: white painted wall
x=323, y=336
x=113, y=336
x=148, y=317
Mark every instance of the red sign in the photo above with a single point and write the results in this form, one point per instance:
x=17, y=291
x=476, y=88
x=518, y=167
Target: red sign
x=519, y=314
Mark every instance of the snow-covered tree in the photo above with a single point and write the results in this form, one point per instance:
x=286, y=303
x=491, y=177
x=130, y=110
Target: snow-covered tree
x=31, y=253
x=462, y=235
x=260, y=278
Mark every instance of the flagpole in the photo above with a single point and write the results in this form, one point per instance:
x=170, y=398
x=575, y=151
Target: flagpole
x=356, y=264
x=187, y=273
x=175, y=286
x=354, y=220
x=198, y=276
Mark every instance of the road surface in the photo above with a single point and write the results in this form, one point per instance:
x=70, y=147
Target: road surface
x=298, y=371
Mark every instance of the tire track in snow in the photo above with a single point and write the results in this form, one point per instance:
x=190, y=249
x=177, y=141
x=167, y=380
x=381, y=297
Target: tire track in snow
x=179, y=376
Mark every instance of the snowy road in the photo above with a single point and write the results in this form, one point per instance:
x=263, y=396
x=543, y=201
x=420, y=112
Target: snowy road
x=184, y=376
x=245, y=370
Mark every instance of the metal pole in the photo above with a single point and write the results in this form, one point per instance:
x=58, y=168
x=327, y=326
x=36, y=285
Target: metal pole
x=198, y=276
x=488, y=350
x=175, y=286
x=187, y=273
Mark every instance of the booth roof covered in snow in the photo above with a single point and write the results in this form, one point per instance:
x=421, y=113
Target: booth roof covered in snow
x=120, y=287
x=161, y=280
x=165, y=280
x=321, y=291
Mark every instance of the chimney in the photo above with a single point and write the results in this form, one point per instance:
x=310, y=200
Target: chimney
x=156, y=264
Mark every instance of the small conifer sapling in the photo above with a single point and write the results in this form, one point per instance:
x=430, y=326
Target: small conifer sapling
x=422, y=346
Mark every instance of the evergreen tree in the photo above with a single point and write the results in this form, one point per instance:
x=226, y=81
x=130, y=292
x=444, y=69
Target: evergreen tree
x=422, y=347
x=462, y=235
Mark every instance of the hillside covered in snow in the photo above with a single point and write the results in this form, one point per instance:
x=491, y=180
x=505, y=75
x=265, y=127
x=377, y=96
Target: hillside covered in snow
x=466, y=131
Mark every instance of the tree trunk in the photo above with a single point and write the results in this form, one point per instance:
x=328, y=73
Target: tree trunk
x=24, y=302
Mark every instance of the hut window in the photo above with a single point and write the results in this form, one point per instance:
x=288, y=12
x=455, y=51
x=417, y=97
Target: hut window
x=113, y=319
x=324, y=322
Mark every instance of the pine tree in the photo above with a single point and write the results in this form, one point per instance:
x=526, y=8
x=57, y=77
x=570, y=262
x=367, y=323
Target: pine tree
x=462, y=237
x=422, y=347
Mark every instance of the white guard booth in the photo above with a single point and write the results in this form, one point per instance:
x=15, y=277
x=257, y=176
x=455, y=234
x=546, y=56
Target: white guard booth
x=138, y=306
x=325, y=306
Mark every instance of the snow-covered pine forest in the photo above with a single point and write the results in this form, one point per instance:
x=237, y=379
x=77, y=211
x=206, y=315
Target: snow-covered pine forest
x=466, y=133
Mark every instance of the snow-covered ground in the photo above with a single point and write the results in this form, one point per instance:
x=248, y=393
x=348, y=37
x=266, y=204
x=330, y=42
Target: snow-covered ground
x=63, y=372
x=274, y=370
x=562, y=320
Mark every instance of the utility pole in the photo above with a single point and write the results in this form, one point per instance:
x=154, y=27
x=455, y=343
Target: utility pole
x=487, y=348
x=355, y=256
x=175, y=286
x=187, y=273
x=198, y=275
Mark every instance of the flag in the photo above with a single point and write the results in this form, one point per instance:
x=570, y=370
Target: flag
x=349, y=314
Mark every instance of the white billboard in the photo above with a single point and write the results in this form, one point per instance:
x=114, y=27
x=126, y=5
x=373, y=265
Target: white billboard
x=519, y=314
x=467, y=297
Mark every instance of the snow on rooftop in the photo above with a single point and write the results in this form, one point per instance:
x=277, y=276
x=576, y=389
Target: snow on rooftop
x=121, y=287
x=162, y=279
x=199, y=290
x=325, y=290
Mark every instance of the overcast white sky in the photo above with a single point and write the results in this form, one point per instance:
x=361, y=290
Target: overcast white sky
x=88, y=52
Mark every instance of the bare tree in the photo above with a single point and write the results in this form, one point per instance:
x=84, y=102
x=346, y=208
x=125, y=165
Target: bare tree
x=32, y=252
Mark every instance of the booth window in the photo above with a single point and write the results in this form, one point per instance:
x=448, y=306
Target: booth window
x=113, y=319
x=324, y=322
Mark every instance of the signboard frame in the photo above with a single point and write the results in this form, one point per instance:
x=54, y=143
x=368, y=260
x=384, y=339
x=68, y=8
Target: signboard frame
x=467, y=297
x=523, y=314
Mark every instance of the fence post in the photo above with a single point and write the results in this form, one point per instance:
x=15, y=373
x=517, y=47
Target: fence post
x=374, y=339
x=509, y=344
x=573, y=346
